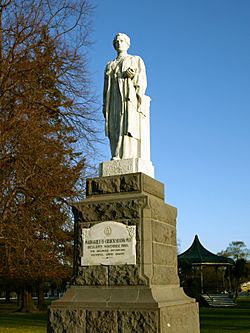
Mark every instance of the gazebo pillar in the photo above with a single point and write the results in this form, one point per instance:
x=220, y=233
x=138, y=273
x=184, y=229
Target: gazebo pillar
x=202, y=281
x=216, y=274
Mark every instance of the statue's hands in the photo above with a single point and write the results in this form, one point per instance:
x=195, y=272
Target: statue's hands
x=129, y=73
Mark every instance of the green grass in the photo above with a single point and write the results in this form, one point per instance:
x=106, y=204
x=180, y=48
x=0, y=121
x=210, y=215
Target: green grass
x=16, y=322
x=212, y=320
x=223, y=320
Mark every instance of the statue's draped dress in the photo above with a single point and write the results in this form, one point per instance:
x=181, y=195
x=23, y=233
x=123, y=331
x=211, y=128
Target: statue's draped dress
x=122, y=101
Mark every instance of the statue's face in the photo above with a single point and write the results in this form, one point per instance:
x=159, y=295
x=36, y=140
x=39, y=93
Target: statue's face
x=120, y=44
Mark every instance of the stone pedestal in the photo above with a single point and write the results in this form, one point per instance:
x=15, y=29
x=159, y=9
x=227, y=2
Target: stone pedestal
x=125, y=166
x=142, y=298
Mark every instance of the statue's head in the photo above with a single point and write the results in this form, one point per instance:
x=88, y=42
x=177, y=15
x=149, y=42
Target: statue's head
x=121, y=42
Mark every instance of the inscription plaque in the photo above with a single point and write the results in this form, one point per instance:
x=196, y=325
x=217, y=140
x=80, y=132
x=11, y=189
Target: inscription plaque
x=109, y=243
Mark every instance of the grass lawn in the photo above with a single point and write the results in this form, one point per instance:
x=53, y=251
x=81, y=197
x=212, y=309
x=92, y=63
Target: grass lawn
x=15, y=322
x=229, y=320
x=212, y=320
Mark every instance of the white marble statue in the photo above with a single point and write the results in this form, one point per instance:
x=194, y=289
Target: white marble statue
x=125, y=104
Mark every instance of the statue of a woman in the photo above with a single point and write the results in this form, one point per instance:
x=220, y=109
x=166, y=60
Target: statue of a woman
x=124, y=88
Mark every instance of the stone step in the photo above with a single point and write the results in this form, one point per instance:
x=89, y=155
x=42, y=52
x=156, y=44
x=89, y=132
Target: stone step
x=218, y=300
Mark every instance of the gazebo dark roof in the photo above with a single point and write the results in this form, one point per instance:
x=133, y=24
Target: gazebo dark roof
x=197, y=255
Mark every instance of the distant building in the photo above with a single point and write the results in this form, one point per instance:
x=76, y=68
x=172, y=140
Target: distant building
x=245, y=287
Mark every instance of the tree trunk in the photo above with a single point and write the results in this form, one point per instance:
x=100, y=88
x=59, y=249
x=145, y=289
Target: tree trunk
x=7, y=296
x=41, y=301
x=27, y=304
x=18, y=301
x=236, y=292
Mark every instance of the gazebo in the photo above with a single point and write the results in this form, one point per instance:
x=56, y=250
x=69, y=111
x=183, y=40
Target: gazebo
x=198, y=256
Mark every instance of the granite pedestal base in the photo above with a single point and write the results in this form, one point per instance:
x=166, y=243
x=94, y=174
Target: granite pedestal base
x=145, y=297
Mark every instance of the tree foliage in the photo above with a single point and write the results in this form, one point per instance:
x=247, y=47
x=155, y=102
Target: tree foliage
x=45, y=111
x=236, y=250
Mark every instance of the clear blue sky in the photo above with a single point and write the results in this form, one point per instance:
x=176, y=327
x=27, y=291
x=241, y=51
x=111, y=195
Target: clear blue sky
x=197, y=55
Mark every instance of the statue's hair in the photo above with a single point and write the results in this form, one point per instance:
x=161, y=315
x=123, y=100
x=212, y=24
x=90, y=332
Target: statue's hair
x=126, y=37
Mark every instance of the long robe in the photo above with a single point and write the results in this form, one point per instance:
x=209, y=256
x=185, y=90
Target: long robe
x=122, y=101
